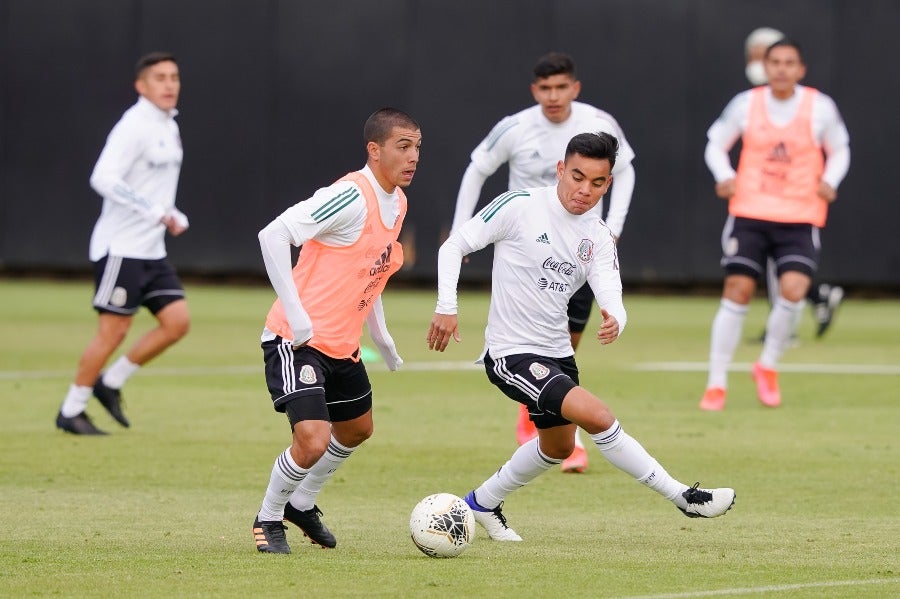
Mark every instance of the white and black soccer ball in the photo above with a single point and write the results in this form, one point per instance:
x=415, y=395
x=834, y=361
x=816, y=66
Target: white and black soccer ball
x=442, y=525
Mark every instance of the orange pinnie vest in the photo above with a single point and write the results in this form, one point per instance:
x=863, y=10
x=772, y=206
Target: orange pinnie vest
x=780, y=167
x=338, y=285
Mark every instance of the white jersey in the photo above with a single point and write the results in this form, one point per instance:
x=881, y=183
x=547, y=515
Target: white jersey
x=828, y=131
x=532, y=145
x=542, y=255
x=137, y=175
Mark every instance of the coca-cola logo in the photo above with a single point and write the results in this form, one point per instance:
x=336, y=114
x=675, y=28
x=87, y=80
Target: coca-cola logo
x=562, y=267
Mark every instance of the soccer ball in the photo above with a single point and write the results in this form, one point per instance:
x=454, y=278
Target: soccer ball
x=442, y=525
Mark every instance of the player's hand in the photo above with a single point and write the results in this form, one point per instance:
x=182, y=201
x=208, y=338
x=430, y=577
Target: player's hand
x=443, y=327
x=827, y=192
x=609, y=330
x=172, y=224
x=725, y=189
x=388, y=351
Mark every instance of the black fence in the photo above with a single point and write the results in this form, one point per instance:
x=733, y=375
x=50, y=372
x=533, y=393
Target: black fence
x=275, y=94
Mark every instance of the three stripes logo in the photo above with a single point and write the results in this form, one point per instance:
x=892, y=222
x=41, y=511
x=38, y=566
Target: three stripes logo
x=335, y=204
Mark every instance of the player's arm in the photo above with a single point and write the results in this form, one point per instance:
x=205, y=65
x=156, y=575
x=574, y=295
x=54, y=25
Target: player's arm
x=381, y=337
x=467, y=198
x=606, y=284
x=721, y=137
x=275, y=244
x=836, y=145
x=623, y=176
x=123, y=148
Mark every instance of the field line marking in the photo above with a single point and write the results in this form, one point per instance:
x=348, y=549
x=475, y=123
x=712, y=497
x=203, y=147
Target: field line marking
x=770, y=589
x=877, y=369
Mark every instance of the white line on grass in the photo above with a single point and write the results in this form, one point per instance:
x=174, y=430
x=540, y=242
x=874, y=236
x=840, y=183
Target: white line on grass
x=771, y=589
x=879, y=369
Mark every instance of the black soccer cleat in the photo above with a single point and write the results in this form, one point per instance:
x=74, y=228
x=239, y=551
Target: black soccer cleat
x=707, y=503
x=830, y=297
x=79, y=424
x=111, y=399
x=270, y=537
x=310, y=524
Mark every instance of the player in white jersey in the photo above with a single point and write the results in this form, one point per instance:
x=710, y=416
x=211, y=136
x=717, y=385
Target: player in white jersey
x=531, y=141
x=546, y=246
x=137, y=175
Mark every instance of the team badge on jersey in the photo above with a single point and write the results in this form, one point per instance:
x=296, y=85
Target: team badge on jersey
x=586, y=250
x=307, y=375
x=538, y=371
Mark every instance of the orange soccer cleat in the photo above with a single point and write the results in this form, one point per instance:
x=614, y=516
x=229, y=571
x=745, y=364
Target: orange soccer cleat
x=525, y=429
x=713, y=399
x=766, y=385
x=577, y=462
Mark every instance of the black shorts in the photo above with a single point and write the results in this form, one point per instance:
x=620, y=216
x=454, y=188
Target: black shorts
x=317, y=387
x=579, y=309
x=537, y=382
x=123, y=285
x=747, y=243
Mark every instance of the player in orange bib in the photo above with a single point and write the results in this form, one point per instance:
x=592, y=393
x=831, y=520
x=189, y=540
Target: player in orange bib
x=795, y=154
x=348, y=235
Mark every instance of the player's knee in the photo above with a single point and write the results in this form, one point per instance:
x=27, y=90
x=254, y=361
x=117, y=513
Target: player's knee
x=306, y=451
x=557, y=449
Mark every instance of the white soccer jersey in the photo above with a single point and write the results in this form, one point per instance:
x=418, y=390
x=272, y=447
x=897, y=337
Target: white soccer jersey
x=828, y=130
x=532, y=145
x=542, y=255
x=137, y=175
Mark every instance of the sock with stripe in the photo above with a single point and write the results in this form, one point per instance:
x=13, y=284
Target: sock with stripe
x=286, y=476
x=526, y=464
x=626, y=454
x=76, y=400
x=304, y=497
x=779, y=328
x=119, y=372
x=726, y=333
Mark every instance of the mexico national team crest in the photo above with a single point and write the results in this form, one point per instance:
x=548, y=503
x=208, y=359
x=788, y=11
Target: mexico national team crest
x=307, y=375
x=586, y=250
x=538, y=371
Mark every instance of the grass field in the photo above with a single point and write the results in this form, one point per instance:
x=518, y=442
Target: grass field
x=164, y=509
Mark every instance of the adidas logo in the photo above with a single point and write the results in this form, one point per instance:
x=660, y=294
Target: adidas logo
x=543, y=239
x=779, y=154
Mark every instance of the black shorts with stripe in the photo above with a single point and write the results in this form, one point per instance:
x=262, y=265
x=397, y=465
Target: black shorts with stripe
x=747, y=244
x=308, y=385
x=538, y=382
x=123, y=285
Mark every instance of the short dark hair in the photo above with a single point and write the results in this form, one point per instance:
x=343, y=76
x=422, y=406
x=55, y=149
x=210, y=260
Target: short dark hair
x=148, y=60
x=554, y=63
x=787, y=43
x=381, y=123
x=601, y=146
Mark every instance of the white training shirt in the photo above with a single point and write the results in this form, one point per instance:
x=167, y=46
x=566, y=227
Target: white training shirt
x=300, y=223
x=542, y=255
x=532, y=145
x=828, y=130
x=137, y=175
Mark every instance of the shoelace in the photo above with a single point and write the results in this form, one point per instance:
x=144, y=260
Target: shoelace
x=500, y=515
x=696, y=495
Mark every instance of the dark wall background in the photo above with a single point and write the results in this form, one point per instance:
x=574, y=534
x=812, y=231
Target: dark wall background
x=275, y=94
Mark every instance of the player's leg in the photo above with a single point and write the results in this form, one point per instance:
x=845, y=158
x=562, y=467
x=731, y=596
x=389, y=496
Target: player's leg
x=744, y=255
x=296, y=380
x=796, y=252
x=579, y=311
x=824, y=300
x=116, y=299
x=625, y=453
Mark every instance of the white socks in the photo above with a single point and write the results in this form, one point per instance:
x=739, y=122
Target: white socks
x=286, y=476
x=119, y=372
x=578, y=441
x=779, y=327
x=304, y=497
x=626, y=454
x=726, y=333
x=76, y=400
x=525, y=465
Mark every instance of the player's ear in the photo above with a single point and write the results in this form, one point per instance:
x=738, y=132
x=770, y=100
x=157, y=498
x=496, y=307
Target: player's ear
x=374, y=150
x=560, y=169
x=576, y=87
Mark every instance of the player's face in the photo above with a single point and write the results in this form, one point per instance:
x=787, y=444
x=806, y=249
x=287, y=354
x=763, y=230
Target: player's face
x=555, y=95
x=394, y=163
x=582, y=182
x=784, y=69
x=160, y=84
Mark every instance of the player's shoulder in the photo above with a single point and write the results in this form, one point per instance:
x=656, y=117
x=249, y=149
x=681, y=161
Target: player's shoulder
x=505, y=203
x=341, y=198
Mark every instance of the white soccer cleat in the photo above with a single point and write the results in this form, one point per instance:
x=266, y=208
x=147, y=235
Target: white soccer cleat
x=705, y=503
x=493, y=521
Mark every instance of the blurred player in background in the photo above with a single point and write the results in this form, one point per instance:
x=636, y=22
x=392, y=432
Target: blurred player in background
x=824, y=298
x=550, y=232
x=777, y=203
x=532, y=141
x=347, y=234
x=137, y=175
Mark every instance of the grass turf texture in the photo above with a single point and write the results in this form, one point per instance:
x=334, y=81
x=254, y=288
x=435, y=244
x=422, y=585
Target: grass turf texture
x=164, y=509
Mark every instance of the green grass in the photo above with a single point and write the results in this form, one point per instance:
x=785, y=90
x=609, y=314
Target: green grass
x=164, y=509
